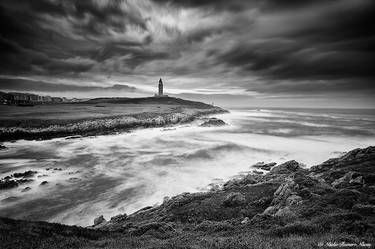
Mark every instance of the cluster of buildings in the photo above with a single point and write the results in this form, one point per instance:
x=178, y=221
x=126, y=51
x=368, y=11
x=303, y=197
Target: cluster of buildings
x=16, y=98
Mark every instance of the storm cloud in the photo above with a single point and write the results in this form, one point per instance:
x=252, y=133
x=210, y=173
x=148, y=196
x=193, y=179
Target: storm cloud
x=258, y=48
x=41, y=86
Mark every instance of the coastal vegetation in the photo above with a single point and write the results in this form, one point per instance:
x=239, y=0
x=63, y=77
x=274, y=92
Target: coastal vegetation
x=98, y=117
x=285, y=206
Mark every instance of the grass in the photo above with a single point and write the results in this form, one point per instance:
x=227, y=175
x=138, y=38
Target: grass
x=98, y=117
x=208, y=234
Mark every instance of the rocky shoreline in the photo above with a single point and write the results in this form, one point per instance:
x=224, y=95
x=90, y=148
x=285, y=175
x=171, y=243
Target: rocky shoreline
x=289, y=206
x=104, y=126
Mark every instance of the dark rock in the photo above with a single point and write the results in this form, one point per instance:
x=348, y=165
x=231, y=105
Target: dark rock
x=286, y=168
x=11, y=199
x=263, y=166
x=234, y=199
x=25, y=174
x=119, y=218
x=74, y=179
x=214, y=187
x=347, y=179
x=22, y=181
x=99, y=220
x=257, y=172
x=213, y=122
x=7, y=184
x=245, y=180
x=26, y=189
x=2, y=147
x=43, y=183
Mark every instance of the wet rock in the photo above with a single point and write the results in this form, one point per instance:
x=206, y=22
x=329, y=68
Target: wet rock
x=234, y=199
x=243, y=181
x=214, y=187
x=58, y=169
x=73, y=179
x=213, y=122
x=7, y=184
x=99, y=220
x=263, y=166
x=2, y=147
x=257, y=165
x=11, y=199
x=26, y=189
x=22, y=181
x=286, y=168
x=26, y=174
x=44, y=183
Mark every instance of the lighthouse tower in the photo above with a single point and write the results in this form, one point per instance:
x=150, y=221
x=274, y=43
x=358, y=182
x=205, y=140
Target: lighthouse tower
x=160, y=88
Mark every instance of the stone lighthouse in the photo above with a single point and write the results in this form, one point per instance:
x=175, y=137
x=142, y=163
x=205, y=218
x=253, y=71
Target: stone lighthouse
x=160, y=87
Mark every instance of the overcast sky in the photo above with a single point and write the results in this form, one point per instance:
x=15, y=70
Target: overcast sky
x=298, y=53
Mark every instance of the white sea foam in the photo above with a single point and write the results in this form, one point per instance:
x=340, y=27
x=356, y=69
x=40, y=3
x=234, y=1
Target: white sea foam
x=121, y=173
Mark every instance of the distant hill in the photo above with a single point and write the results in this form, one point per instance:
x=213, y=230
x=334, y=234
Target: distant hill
x=151, y=100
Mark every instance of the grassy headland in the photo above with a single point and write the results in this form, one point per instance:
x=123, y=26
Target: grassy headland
x=97, y=117
x=288, y=207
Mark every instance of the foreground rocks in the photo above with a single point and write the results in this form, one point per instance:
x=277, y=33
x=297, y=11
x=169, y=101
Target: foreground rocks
x=289, y=207
x=337, y=195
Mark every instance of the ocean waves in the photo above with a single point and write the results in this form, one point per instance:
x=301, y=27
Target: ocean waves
x=112, y=174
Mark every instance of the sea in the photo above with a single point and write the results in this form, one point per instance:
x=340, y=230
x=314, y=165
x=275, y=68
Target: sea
x=121, y=173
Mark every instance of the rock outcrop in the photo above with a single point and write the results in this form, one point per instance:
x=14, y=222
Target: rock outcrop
x=99, y=220
x=213, y=122
x=289, y=193
x=234, y=199
x=334, y=200
x=264, y=166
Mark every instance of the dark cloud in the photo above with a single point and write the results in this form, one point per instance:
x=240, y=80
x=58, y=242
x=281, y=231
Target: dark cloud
x=354, y=87
x=340, y=45
x=41, y=86
x=29, y=43
x=241, y=5
x=263, y=46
